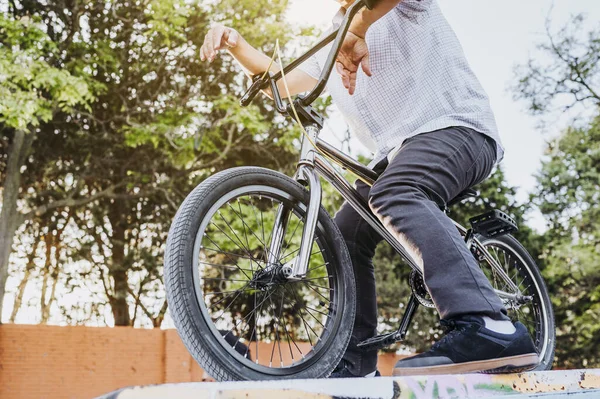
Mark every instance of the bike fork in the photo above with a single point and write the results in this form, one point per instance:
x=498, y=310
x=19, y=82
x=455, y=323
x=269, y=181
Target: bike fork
x=298, y=267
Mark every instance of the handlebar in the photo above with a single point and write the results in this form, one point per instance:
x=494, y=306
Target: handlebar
x=270, y=80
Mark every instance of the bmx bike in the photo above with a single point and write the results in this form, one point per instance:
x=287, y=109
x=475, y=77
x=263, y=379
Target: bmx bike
x=259, y=281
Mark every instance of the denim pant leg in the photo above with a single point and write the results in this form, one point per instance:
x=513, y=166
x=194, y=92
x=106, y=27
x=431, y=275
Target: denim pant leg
x=361, y=241
x=429, y=170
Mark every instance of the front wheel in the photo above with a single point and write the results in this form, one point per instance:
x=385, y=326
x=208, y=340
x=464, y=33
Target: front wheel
x=236, y=312
x=534, y=309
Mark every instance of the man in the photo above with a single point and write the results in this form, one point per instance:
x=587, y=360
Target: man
x=418, y=106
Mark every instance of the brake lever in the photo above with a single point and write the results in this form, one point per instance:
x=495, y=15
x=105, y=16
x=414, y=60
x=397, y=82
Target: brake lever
x=255, y=87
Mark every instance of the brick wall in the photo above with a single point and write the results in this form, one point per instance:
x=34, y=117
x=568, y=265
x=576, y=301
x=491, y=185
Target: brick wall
x=39, y=361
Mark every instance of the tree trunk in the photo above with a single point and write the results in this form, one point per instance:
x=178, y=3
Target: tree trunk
x=51, y=272
x=45, y=275
x=118, y=269
x=10, y=219
x=119, y=305
x=23, y=284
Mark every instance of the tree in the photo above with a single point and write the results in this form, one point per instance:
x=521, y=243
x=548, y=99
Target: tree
x=568, y=193
x=32, y=91
x=162, y=122
x=564, y=77
x=565, y=74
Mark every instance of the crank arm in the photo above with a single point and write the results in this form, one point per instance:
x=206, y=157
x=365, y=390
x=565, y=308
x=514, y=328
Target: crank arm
x=381, y=341
x=385, y=340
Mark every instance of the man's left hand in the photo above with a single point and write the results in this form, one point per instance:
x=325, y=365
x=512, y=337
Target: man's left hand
x=354, y=52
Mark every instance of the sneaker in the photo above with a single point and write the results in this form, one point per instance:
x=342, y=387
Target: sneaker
x=469, y=347
x=342, y=371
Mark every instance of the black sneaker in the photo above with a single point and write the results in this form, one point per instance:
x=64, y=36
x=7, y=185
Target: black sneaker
x=342, y=371
x=469, y=347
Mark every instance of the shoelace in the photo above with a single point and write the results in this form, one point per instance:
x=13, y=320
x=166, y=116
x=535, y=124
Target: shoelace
x=451, y=328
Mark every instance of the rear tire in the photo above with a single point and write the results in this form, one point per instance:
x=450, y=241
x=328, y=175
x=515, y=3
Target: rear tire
x=537, y=316
x=194, y=322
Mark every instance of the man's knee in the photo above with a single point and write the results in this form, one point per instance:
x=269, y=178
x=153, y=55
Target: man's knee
x=385, y=193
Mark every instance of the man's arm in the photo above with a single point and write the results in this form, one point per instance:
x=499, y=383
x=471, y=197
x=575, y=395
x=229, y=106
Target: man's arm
x=250, y=59
x=354, y=51
x=365, y=17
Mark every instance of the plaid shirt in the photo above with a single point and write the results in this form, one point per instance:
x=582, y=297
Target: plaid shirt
x=421, y=81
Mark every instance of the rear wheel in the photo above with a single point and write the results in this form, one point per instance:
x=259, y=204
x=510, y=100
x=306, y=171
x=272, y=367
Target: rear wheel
x=532, y=305
x=236, y=312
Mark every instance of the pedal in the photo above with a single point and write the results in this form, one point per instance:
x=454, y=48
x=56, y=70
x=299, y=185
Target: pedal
x=381, y=341
x=493, y=224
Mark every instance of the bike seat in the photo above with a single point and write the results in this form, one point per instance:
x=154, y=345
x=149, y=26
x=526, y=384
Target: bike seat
x=466, y=194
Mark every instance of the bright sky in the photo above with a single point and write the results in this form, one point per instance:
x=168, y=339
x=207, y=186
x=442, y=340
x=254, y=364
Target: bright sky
x=495, y=35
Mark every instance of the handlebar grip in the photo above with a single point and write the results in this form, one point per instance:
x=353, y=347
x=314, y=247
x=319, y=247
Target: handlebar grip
x=252, y=91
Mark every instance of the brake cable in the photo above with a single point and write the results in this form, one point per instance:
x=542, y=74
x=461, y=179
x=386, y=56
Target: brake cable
x=277, y=53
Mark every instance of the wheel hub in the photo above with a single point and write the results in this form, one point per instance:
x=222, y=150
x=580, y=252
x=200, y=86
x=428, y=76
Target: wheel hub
x=268, y=277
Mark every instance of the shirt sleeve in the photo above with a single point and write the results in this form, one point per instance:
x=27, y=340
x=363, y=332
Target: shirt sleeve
x=311, y=67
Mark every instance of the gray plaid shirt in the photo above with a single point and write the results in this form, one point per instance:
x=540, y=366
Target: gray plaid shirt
x=421, y=82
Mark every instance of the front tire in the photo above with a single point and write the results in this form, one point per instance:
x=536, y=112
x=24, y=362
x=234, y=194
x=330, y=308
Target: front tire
x=191, y=294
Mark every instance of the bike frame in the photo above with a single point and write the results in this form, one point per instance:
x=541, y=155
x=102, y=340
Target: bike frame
x=313, y=164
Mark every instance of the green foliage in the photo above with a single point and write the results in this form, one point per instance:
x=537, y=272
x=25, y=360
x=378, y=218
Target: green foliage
x=568, y=195
x=31, y=89
x=565, y=76
x=161, y=122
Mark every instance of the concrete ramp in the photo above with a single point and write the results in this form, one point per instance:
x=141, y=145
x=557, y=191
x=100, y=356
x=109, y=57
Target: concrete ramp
x=572, y=384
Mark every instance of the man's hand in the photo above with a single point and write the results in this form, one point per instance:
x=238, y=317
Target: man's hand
x=354, y=52
x=218, y=37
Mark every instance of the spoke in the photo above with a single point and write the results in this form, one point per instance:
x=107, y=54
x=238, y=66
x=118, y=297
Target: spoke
x=296, y=250
x=223, y=279
x=328, y=300
x=313, y=316
x=277, y=330
x=224, y=266
x=261, y=223
x=220, y=251
x=318, y=311
x=214, y=243
x=249, y=314
x=251, y=231
x=313, y=278
x=254, y=332
x=221, y=300
x=247, y=250
x=304, y=320
x=286, y=332
x=293, y=341
x=315, y=285
x=292, y=236
x=243, y=223
x=227, y=292
x=228, y=306
x=317, y=267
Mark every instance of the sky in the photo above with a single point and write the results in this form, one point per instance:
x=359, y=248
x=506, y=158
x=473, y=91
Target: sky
x=496, y=36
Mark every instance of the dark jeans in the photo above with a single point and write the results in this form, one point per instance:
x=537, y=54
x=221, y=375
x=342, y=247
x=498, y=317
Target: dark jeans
x=429, y=170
